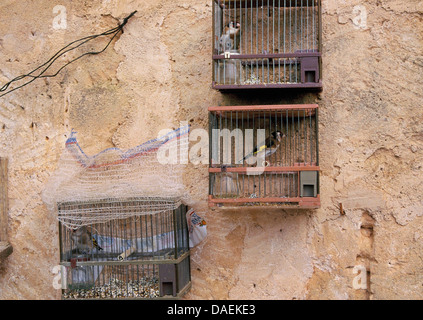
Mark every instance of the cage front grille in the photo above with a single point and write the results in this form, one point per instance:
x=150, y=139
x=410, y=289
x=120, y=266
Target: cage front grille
x=258, y=155
x=228, y=185
x=112, y=281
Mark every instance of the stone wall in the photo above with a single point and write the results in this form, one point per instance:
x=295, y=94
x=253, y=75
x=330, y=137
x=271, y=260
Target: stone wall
x=158, y=73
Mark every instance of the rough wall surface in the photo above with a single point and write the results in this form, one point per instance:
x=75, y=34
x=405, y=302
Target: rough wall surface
x=158, y=73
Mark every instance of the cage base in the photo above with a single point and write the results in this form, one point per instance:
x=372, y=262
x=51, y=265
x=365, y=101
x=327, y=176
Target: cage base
x=280, y=203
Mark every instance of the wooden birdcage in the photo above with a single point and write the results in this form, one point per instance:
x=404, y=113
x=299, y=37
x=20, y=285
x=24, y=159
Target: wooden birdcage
x=264, y=155
x=6, y=248
x=267, y=44
x=141, y=256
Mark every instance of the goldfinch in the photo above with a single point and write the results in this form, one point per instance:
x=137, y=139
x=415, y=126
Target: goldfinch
x=83, y=240
x=231, y=30
x=271, y=144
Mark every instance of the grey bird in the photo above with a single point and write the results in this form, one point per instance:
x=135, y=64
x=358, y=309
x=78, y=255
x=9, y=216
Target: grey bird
x=271, y=144
x=83, y=240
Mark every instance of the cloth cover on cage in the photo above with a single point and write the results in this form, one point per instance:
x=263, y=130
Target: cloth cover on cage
x=113, y=174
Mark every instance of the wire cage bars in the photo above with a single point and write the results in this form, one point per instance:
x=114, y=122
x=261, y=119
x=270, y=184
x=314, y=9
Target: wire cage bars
x=264, y=155
x=144, y=256
x=266, y=44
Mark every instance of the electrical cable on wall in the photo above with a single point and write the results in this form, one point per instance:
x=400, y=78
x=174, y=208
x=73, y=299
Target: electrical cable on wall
x=71, y=46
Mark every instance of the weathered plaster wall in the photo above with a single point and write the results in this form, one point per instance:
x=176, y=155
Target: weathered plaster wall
x=157, y=74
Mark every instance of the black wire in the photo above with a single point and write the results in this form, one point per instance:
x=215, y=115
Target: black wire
x=115, y=31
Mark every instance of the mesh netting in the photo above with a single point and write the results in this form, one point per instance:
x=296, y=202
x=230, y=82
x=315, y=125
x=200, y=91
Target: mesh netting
x=147, y=172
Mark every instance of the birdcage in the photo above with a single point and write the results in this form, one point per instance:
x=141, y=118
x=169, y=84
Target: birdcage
x=142, y=255
x=264, y=155
x=267, y=44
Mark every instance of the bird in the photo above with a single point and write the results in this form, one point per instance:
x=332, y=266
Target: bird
x=83, y=240
x=226, y=43
x=271, y=144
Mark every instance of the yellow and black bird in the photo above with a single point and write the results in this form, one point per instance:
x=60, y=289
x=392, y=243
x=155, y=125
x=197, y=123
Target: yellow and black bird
x=271, y=144
x=83, y=240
